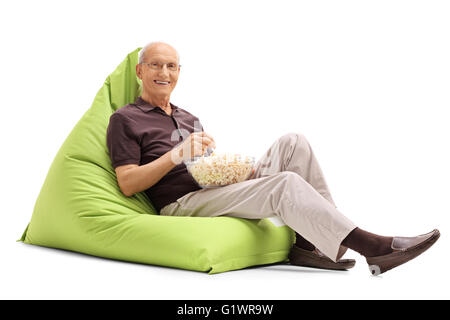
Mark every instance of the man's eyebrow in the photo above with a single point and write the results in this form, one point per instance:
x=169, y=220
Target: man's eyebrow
x=160, y=57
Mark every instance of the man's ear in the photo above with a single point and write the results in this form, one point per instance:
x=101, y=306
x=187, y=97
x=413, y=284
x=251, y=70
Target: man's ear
x=138, y=71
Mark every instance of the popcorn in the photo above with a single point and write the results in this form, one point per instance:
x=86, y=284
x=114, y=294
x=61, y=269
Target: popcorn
x=219, y=170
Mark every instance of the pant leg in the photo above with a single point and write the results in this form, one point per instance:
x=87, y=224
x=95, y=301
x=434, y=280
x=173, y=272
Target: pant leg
x=284, y=194
x=292, y=152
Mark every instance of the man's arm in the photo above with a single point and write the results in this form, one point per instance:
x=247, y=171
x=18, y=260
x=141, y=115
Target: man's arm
x=133, y=178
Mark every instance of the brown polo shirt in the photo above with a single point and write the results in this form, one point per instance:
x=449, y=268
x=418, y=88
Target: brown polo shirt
x=139, y=133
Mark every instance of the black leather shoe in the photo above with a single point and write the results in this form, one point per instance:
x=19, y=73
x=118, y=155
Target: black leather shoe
x=405, y=249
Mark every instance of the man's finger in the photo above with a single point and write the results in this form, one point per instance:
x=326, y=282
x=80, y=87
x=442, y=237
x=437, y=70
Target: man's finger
x=203, y=139
x=209, y=142
x=205, y=134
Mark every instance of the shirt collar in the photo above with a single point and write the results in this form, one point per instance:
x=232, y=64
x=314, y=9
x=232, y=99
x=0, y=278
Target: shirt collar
x=147, y=107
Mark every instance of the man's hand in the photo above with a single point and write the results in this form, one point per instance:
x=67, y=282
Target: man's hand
x=193, y=146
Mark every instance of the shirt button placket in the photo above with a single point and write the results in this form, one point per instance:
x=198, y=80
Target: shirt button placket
x=177, y=127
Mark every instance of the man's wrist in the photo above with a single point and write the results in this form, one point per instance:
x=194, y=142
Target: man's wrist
x=176, y=155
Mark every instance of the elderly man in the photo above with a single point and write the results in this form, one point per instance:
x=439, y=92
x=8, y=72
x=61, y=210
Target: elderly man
x=149, y=139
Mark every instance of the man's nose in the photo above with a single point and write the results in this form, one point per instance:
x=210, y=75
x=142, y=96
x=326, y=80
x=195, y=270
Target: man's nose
x=163, y=70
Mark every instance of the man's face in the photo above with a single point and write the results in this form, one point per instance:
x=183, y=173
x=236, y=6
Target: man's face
x=159, y=80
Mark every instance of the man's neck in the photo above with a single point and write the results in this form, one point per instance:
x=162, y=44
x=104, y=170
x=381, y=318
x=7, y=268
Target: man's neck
x=162, y=102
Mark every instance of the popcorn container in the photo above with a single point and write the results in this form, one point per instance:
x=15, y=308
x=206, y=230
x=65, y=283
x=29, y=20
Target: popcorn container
x=219, y=170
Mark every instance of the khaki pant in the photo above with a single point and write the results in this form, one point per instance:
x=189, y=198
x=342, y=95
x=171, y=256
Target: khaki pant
x=287, y=183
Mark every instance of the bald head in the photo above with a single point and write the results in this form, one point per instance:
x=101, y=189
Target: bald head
x=158, y=68
x=157, y=46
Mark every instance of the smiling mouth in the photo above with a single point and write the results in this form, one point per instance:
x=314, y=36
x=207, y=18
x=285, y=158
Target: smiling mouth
x=161, y=83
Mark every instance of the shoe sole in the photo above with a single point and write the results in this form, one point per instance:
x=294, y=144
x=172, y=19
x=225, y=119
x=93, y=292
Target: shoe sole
x=305, y=258
x=381, y=264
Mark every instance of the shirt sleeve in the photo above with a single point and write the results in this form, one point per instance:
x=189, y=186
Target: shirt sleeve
x=201, y=126
x=123, y=143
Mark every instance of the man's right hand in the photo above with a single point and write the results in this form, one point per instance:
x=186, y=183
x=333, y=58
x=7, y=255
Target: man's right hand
x=193, y=146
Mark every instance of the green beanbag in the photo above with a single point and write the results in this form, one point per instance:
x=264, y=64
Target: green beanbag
x=81, y=208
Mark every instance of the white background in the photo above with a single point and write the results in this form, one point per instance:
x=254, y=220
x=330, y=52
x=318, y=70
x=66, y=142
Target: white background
x=367, y=82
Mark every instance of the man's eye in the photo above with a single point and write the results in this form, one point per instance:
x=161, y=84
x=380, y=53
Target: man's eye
x=154, y=64
x=171, y=65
